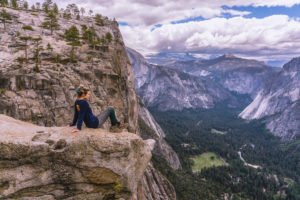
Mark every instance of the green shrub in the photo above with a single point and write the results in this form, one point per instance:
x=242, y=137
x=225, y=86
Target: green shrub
x=27, y=28
x=118, y=187
x=2, y=91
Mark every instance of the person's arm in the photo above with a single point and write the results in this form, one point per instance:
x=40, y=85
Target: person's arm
x=81, y=114
x=75, y=116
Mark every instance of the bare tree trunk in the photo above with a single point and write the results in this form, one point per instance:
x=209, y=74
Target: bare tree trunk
x=26, y=57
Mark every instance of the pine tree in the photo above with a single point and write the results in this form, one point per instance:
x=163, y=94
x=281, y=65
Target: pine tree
x=73, y=8
x=82, y=10
x=36, y=55
x=73, y=38
x=72, y=35
x=49, y=47
x=5, y=18
x=51, y=22
x=25, y=5
x=33, y=7
x=83, y=28
x=47, y=5
x=67, y=15
x=90, y=12
x=55, y=9
x=49, y=2
x=99, y=20
x=76, y=11
x=26, y=39
x=38, y=5
x=90, y=36
x=14, y=4
x=3, y=3
x=108, y=37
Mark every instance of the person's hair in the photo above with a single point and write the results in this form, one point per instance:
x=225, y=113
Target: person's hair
x=81, y=90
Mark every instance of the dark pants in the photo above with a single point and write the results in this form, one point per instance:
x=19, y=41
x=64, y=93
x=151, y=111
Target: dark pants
x=103, y=116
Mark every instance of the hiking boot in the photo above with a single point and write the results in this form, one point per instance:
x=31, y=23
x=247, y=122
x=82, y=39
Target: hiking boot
x=115, y=129
x=118, y=128
x=123, y=125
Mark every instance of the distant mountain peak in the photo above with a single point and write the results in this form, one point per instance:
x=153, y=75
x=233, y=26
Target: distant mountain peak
x=293, y=65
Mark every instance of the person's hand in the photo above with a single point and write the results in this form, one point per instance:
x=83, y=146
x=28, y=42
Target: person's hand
x=75, y=130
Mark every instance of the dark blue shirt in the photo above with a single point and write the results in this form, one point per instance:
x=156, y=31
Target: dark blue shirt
x=83, y=113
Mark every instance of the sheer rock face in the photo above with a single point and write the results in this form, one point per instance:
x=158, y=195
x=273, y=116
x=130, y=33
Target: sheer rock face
x=175, y=84
x=46, y=97
x=155, y=186
x=278, y=103
x=171, y=89
x=243, y=76
x=53, y=163
x=162, y=148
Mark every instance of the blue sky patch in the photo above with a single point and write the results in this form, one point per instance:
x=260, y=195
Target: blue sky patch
x=156, y=26
x=123, y=23
x=264, y=11
x=195, y=19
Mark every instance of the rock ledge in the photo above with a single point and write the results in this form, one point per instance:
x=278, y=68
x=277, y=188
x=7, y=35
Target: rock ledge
x=49, y=163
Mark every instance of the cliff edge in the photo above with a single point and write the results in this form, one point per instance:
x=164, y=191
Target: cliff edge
x=39, y=162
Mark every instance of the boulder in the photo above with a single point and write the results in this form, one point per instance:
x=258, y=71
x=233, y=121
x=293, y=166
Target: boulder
x=38, y=162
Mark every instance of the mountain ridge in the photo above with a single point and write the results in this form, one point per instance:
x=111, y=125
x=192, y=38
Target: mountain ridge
x=174, y=89
x=278, y=103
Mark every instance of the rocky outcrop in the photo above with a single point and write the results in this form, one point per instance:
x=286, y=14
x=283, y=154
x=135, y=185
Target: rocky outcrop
x=150, y=129
x=39, y=162
x=279, y=102
x=46, y=96
x=155, y=186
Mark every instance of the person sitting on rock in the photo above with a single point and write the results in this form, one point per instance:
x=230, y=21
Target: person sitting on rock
x=83, y=113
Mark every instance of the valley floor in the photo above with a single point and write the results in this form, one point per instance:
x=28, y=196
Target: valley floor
x=234, y=159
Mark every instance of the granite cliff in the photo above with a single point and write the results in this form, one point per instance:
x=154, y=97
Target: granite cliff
x=172, y=89
x=45, y=96
x=39, y=70
x=278, y=102
x=38, y=162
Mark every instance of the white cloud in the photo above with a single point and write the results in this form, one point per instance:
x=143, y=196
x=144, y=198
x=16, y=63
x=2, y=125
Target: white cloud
x=144, y=12
x=275, y=35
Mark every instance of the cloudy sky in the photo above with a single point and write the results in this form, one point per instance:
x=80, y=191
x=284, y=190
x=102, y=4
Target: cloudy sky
x=265, y=30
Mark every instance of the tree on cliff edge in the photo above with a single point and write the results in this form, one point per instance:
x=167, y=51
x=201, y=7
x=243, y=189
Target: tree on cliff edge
x=4, y=18
x=36, y=54
x=51, y=22
x=99, y=20
x=14, y=4
x=73, y=38
x=25, y=5
x=3, y=3
x=46, y=5
x=26, y=39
